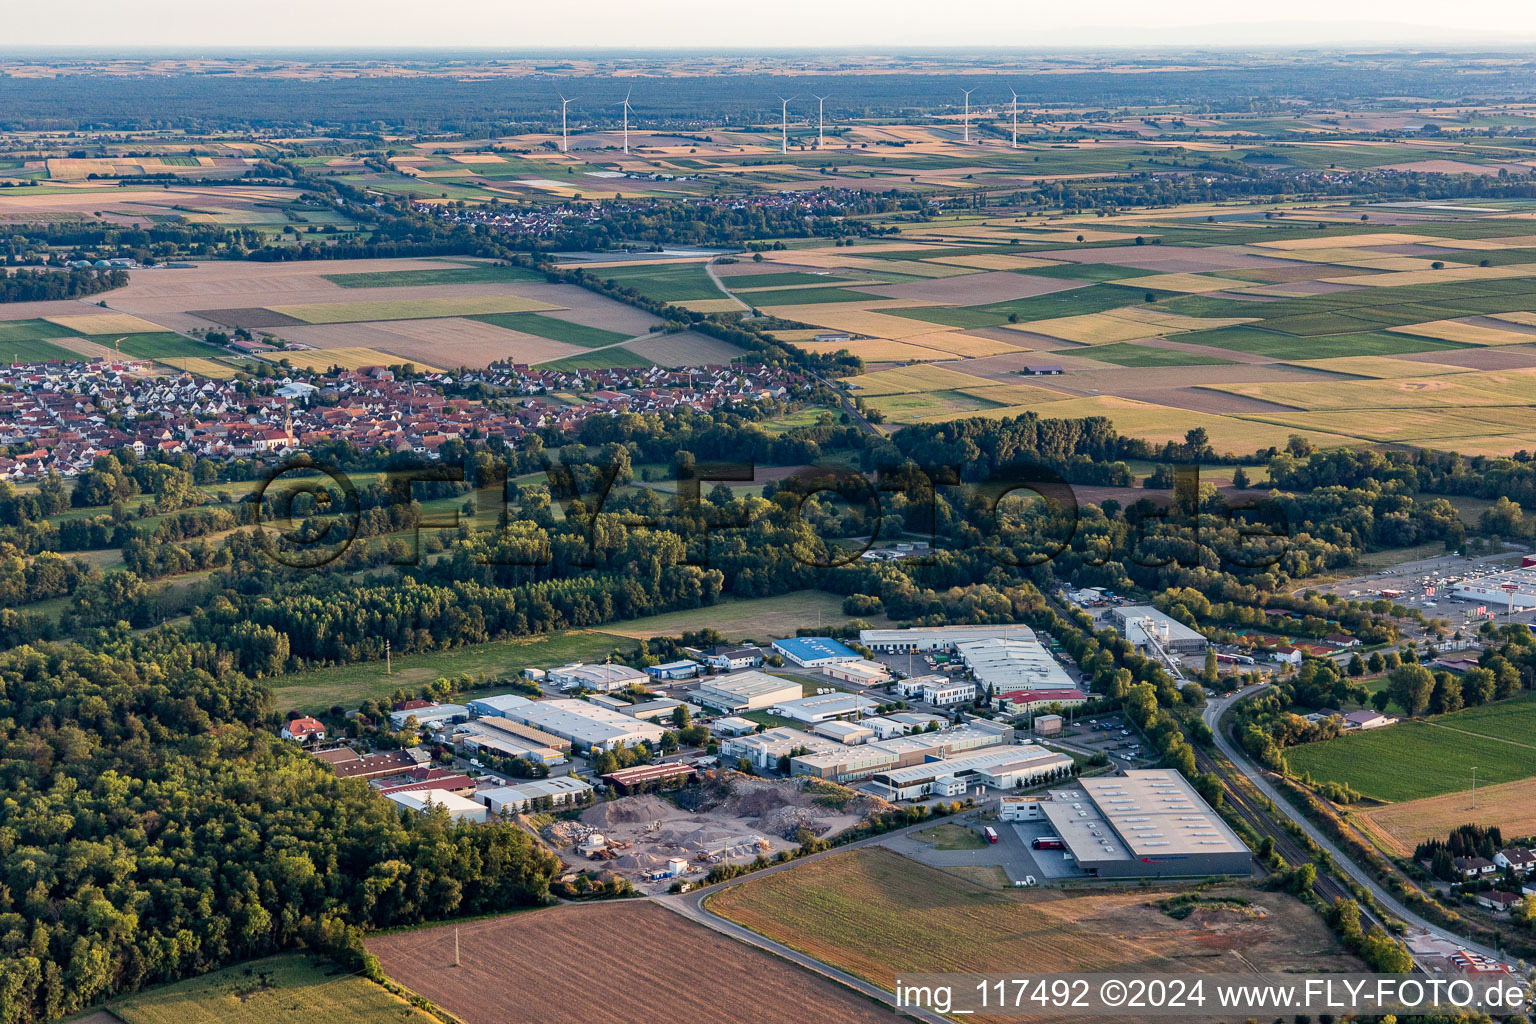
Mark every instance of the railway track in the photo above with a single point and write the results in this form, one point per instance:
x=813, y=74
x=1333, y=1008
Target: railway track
x=1326, y=887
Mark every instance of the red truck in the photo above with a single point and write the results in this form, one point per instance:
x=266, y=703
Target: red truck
x=1048, y=843
x=990, y=833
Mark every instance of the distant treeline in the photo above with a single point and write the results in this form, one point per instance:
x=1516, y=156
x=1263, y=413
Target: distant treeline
x=43, y=285
x=429, y=103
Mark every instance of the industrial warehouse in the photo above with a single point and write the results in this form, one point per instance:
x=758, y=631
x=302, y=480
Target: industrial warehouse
x=1142, y=621
x=1005, y=768
x=1143, y=823
x=937, y=638
x=1004, y=665
x=745, y=691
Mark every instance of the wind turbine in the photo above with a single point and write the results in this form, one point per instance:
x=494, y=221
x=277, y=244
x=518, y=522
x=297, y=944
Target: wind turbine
x=967, y=113
x=1015, y=119
x=784, y=123
x=626, y=122
x=820, y=122
x=564, y=143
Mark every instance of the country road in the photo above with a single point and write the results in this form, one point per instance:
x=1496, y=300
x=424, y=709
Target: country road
x=1212, y=717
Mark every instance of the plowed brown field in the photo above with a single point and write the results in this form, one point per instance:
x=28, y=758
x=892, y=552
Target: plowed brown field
x=628, y=961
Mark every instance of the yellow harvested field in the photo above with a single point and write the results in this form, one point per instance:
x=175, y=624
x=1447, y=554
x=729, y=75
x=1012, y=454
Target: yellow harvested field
x=1382, y=367
x=1013, y=394
x=858, y=318
x=1404, y=278
x=1466, y=334
x=1511, y=806
x=1347, y=241
x=1488, y=244
x=1335, y=254
x=1090, y=328
x=878, y=350
x=908, y=379
x=1160, y=423
x=1191, y=283
x=1525, y=319
x=709, y=305
x=964, y=345
x=105, y=323
x=996, y=261
x=1478, y=388
x=410, y=309
x=1425, y=426
x=476, y=158
x=346, y=358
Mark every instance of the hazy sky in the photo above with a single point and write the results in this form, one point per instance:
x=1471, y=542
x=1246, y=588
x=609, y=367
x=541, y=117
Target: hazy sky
x=746, y=25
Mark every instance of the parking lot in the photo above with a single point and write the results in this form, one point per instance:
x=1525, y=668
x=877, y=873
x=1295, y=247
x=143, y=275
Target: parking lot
x=1112, y=735
x=1052, y=864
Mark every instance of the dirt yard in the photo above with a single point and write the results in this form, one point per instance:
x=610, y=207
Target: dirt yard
x=726, y=818
x=627, y=961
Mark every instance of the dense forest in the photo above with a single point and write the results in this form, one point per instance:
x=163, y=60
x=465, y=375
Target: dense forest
x=155, y=828
x=46, y=285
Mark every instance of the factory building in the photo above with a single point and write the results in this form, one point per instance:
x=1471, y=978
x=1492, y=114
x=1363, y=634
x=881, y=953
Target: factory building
x=744, y=691
x=518, y=798
x=1005, y=768
x=764, y=749
x=847, y=764
x=901, y=723
x=602, y=678
x=1144, y=823
x=1137, y=621
x=937, y=638
x=1005, y=665
x=430, y=716
x=814, y=651
x=586, y=726
x=459, y=808
x=848, y=734
x=864, y=673
x=495, y=707
x=824, y=707
x=502, y=737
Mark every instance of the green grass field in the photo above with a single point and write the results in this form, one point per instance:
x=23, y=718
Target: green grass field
x=1122, y=354
x=1087, y=272
x=804, y=296
x=35, y=351
x=785, y=279
x=479, y=273
x=760, y=619
x=1285, y=346
x=290, y=989
x=553, y=328
x=348, y=685
x=162, y=345
x=1427, y=758
x=663, y=282
x=600, y=360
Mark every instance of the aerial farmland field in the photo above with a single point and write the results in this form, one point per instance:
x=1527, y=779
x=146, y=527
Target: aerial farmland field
x=719, y=971
x=860, y=911
x=1429, y=757
x=289, y=989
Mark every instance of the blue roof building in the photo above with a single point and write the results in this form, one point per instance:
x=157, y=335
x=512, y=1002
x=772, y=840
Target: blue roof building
x=673, y=670
x=814, y=651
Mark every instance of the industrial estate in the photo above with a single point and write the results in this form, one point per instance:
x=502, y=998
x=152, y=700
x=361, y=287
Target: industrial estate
x=476, y=528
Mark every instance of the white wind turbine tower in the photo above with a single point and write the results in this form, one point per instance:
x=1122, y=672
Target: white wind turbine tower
x=1015, y=119
x=626, y=121
x=820, y=120
x=784, y=123
x=564, y=143
x=968, y=113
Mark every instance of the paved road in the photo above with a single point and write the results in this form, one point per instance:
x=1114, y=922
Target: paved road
x=1212, y=716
